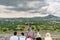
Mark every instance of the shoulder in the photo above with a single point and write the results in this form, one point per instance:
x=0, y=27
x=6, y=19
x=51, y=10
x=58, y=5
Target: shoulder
x=11, y=37
x=22, y=36
x=14, y=37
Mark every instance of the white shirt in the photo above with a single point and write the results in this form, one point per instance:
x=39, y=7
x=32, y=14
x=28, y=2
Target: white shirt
x=22, y=38
x=14, y=38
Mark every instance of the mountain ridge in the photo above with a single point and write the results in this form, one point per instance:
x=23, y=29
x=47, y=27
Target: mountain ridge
x=49, y=17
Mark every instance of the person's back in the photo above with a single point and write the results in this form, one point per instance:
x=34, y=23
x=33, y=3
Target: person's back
x=48, y=36
x=29, y=37
x=14, y=37
x=38, y=36
x=22, y=37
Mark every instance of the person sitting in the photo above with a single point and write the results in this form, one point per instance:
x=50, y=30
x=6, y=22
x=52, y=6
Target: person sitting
x=48, y=36
x=29, y=37
x=38, y=36
x=15, y=37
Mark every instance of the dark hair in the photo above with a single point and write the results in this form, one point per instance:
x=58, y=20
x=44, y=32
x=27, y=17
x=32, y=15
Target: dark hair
x=22, y=33
x=15, y=33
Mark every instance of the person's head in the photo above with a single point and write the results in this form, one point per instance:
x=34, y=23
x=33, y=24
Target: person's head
x=48, y=35
x=22, y=34
x=38, y=34
x=15, y=33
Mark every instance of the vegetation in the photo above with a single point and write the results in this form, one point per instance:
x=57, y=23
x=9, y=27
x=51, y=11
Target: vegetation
x=14, y=25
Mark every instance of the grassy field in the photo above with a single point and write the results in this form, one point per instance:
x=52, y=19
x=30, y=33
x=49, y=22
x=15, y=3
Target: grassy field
x=44, y=26
x=8, y=26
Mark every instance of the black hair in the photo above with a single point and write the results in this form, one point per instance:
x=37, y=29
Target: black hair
x=15, y=33
x=22, y=33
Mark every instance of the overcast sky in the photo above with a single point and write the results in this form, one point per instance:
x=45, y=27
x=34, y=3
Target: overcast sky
x=29, y=8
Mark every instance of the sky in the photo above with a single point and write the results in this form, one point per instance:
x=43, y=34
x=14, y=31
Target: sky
x=29, y=8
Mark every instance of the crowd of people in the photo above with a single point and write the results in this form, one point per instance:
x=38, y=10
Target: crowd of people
x=30, y=37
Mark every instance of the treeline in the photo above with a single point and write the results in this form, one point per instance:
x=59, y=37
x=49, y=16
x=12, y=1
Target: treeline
x=9, y=26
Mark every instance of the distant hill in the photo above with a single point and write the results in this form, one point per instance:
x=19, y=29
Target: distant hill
x=49, y=17
x=52, y=17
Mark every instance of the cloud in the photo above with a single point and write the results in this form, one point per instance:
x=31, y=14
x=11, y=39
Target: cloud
x=15, y=2
x=30, y=7
x=20, y=14
x=3, y=9
x=54, y=7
